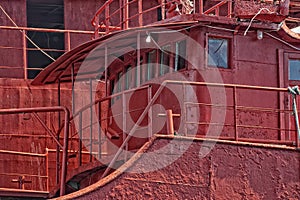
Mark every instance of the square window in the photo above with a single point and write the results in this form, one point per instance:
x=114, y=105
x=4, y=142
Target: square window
x=294, y=70
x=218, y=52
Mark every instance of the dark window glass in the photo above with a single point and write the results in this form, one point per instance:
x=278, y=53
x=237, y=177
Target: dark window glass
x=112, y=91
x=119, y=82
x=128, y=78
x=294, y=70
x=150, y=71
x=140, y=71
x=180, y=55
x=159, y=16
x=44, y=14
x=165, y=60
x=218, y=52
x=112, y=86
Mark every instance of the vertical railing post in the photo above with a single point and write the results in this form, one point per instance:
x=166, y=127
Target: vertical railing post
x=24, y=54
x=295, y=110
x=229, y=8
x=150, y=114
x=140, y=8
x=298, y=128
x=126, y=14
x=201, y=7
x=73, y=88
x=106, y=71
x=68, y=41
x=121, y=13
x=184, y=111
x=47, y=169
x=91, y=120
x=80, y=139
x=57, y=164
x=107, y=23
x=217, y=11
x=236, y=135
x=99, y=131
x=138, y=64
x=163, y=9
x=170, y=123
x=65, y=154
x=96, y=33
x=124, y=123
x=58, y=135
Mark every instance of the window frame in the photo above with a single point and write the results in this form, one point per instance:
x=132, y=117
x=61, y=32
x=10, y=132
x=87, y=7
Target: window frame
x=36, y=61
x=287, y=56
x=283, y=80
x=289, y=69
x=230, y=50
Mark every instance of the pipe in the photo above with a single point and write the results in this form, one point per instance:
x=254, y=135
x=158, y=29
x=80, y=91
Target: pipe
x=296, y=119
x=91, y=119
x=58, y=132
x=66, y=136
x=22, y=153
x=170, y=123
x=45, y=30
x=47, y=169
x=65, y=153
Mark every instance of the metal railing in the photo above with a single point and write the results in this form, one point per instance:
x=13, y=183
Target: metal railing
x=17, y=174
x=280, y=116
x=103, y=131
x=55, y=135
x=215, y=10
x=110, y=18
x=235, y=107
x=22, y=45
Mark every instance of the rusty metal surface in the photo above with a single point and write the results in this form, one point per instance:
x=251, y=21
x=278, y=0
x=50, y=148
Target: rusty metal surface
x=263, y=11
x=15, y=45
x=61, y=69
x=164, y=184
x=230, y=170
x=10, y=193
x=64, y=147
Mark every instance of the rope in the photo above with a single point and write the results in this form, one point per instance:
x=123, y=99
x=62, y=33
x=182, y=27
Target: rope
x=22, y=31
x=245, y=33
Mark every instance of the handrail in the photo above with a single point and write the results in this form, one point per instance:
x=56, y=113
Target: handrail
x=99, y=11
x=45, y=29
x=157, y=94
x=88, y=107
x=235, y=107
x=124, y=17
x=105, y=99
x=26, y=154
x=216, y=7
x=22, y=45
x=66, y=133
x=22, y=153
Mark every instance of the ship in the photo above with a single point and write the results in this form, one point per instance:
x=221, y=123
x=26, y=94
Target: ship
x=149, y=99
